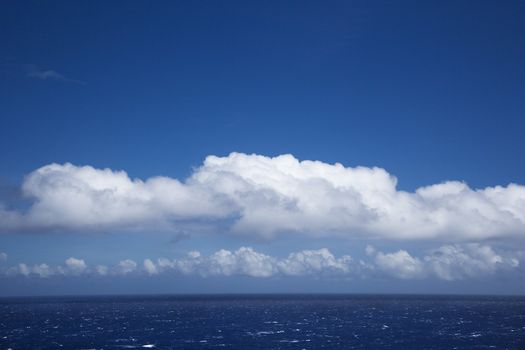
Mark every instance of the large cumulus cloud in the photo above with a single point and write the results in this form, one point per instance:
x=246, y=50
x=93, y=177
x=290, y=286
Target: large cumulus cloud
x=265, y=196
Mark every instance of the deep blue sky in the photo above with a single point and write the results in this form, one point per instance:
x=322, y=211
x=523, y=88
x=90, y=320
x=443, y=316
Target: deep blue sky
x=430, y=91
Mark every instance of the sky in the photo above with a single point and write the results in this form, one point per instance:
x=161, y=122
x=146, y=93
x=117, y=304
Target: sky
x=262, y=147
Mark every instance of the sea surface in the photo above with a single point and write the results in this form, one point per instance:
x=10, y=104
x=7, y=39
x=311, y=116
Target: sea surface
x=263, y=322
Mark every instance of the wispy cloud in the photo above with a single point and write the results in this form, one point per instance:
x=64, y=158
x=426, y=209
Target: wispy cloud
x=35, y=72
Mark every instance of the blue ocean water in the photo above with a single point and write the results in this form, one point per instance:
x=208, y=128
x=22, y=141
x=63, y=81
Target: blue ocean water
x=263, y=322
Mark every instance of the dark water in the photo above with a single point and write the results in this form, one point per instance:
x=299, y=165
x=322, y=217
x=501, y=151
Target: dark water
x=264, y=322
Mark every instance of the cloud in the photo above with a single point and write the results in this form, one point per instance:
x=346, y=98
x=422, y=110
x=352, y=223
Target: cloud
x=73, y=267
x=150, y=267
x=448, y=262
x=244, y=261
x=3, y=257
x=101, y=270
x=400, y=264
x=126, y=266
x=309, y=262
x=266, y=197
x=76, y=266
x=33, y=71
x=452, y=262
x=43, y=270
x=24, y=269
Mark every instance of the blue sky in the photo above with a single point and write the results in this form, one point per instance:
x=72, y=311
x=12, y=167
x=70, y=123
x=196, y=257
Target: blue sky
x=430, y=92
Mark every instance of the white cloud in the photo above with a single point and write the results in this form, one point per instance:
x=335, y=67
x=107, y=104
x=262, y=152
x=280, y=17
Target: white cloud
x=76, y=266
x=73, y=267
x=126, y=266
x=43, y=270
x=248, y=262
x=257, y=195
x=244, y=261
x=452, y=262
x=150, y=267
x=24, y=269
x=309, y=262
x=40, y=270
x=370, y=250
x=400, y=264
x=3, y=257
x=449, y=262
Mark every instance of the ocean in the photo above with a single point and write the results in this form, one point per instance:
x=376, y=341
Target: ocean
x=263, y=322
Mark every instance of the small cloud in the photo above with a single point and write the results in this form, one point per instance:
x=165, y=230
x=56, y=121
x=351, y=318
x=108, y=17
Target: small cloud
x=102, y=270
x=43, y=270
x=370, y=250
x=33, y=71
x=76, y=266
x=24, y=269
x=311, y=262
x=3, y=257
x=400, y=264
x=150, y=267
x=126, y=266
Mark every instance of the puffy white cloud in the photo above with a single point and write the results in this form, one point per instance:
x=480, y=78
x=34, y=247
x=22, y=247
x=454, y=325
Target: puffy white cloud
x=24, y=269
x=400, y=264
x=244, y=261
x=73, y=267
x=43, y=270
x=76, y=266
x=449, y=262
x=150, y=267
x=3, y=257
x=126, y=266
x=248, y=262
x=258, y=195
x=73, y=197
x=452, y=262
x=309, y=262
x=40, y=270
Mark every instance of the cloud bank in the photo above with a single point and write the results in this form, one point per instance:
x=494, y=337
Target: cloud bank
x=449, y=262
x=266, y=197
